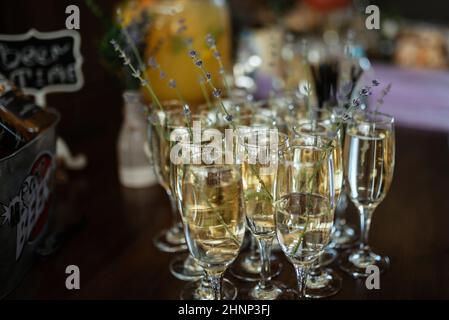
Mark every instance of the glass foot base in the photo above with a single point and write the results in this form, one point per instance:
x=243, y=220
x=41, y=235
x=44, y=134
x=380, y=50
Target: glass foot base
x=343, y=237
x=185, y=268
x=170, y=240
x=200, y=290
x=325, y=284
x=289, y=294
x=247, y=267
x=257, y=293
x=355, y=262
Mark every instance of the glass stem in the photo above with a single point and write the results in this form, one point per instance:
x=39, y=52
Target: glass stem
x=341, y=209
x=365, y=222
x=253, y=248
x=265, y=255
x=215, y=279
x=315, y=269
x=301, y=278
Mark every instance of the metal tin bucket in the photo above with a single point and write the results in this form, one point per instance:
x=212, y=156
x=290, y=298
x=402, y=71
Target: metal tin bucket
x=26, y=194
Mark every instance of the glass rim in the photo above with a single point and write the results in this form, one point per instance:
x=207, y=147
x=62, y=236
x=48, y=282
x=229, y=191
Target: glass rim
x=380, y=117
x=306, y=146
x=326, y=133
x=256, y=131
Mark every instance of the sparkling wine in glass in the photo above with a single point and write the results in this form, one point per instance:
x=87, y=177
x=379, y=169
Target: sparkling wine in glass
x=172, y=239
x=213, y=216
x=260, y=149
x=323, y=282
x=305, y=197
x=369, y=166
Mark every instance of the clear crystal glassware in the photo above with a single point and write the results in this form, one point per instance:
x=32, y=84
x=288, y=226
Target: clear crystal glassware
x=305, y=198
x=260, y=151
x=171, y=239
x=343, y=235
x=323, y=282
x=369, y=159
x=184, y=267
x=213, y=214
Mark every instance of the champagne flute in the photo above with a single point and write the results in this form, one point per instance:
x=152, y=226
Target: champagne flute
x=369, y=165
x=305, y=197
x=213, y=214
x=172, y=239
x=182, y=267
x=343, y=235
x=248, y=265
x=260, y=149
x=323, y=282
x=201, y=289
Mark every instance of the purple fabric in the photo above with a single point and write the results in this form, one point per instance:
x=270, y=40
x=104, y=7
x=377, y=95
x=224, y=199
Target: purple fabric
x=418, y=98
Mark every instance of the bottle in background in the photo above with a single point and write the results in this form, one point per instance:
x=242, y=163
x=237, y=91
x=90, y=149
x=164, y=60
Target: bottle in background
x=135, y=169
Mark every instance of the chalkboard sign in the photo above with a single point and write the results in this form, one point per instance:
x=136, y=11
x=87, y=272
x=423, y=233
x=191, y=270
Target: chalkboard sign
x=42, y=62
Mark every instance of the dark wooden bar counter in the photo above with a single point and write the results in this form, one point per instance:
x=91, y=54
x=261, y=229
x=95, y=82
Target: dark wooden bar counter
x=114, y=248
x=117, y=259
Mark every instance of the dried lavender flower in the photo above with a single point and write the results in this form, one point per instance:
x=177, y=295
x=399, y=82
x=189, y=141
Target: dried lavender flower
x=186, y=109
x=193, y=53
x=210, y=41
x=152, y=63
x=172, y=83
x=356, y=102
x=228, y=118
x=126, y=60
x=365, y=91
x=383, y=93
x=375, y=83
x=216, y=92
x=136, y=74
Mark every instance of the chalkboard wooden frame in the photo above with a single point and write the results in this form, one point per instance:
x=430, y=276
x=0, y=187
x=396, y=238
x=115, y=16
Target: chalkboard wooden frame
x=33, y=33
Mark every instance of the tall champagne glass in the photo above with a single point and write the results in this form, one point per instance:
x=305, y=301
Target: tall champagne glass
x=343, y=235
x=201, y=289
x=323, y=282
x=172, y=239
x=213, y=215
x=260, y=148
x=181, y=266
x=248, y=265
x=305, y=196
x=369, y=165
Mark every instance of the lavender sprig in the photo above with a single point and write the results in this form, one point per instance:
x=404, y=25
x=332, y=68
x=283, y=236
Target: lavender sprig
x=383, y=94
x=188, y=42
x=136, y=73
x=173, y=85
x=196, y=59
x=212, y=45
x=307, y=88
x=130, y=42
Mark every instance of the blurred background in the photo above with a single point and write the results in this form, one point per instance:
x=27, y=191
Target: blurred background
x=107, y=229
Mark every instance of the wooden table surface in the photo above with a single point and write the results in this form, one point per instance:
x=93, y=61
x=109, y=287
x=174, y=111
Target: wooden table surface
x=114, y=250
x=117, y=259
